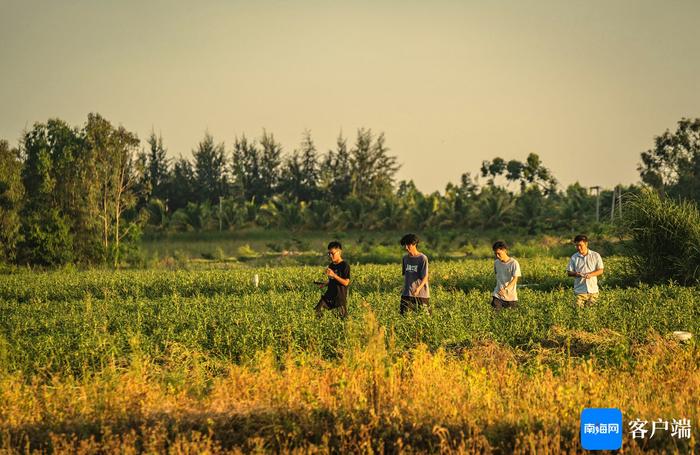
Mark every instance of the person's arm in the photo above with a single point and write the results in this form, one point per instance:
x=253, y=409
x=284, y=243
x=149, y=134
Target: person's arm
x=338, y=278
x=598, y=268
x=508, y=287
x=596, y=272
x=423, y=281
x=324, y=284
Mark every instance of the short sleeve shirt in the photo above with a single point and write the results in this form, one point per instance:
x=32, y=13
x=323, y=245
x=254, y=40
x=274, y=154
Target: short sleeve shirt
x=337, y=294
x=505, y=271
x=585, y=264
x=414, y=269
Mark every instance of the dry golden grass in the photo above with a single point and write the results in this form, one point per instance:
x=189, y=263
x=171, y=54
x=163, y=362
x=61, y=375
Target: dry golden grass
x=490, y=399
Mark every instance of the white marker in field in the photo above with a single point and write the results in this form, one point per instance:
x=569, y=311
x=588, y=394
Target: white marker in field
x=256, y=280
x=682, y=335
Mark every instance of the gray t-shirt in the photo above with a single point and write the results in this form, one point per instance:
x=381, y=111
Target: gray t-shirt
x=505, y=271
x=585, y=264
x=414, y=269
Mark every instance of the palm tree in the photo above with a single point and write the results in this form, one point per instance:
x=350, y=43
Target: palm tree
x=495, y=206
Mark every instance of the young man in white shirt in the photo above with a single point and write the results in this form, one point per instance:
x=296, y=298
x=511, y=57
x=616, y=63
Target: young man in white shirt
x=585, y=266
x=507, y=271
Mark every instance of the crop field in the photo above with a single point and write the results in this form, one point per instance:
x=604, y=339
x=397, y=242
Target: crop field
x=191, y=361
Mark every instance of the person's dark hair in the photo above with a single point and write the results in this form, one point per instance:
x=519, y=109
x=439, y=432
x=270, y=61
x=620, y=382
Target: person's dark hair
x=335, y=244
x=409, y=239
x=581, y=238
x=499, y=245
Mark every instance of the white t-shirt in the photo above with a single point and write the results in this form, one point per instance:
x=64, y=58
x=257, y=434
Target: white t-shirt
x=505, y=271
x=585, y=264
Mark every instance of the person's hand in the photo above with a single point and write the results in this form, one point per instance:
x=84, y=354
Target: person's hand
x=414, y=293
x=502, y=292
x=330, y=273
x=586, y=276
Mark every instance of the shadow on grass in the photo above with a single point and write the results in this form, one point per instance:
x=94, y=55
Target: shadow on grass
x=276, y=431
x=284, y=432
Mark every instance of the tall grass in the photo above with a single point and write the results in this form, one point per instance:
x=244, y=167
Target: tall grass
x=666, y=238
x=488, y=399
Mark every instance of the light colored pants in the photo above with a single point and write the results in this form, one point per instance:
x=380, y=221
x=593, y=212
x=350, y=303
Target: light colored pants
x=586, y=299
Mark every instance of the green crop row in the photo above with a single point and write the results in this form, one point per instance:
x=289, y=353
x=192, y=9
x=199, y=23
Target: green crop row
x=538, y=273
x=80, y=322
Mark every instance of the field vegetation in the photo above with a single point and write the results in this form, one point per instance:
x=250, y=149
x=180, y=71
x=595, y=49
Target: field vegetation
x=202, y=360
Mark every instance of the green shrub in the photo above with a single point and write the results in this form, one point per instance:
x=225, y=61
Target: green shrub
x=247, y=252
x=47, y=239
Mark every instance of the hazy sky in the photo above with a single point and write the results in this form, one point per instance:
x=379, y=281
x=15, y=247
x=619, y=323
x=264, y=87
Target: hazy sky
x=585, y=84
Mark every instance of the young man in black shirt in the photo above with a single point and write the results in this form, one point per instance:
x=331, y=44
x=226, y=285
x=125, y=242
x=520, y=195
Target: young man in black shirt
x=338, y=272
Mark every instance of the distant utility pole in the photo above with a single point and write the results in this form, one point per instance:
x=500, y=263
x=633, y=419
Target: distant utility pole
x=617, y=194
x=619, y=200
x=597, y=202
x=220, y=218
x=612, y=210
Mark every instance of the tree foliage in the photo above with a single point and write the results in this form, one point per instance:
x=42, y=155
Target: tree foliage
x=527, y=173
x=335, y=173
x=300, y=174
x=157, y=168
x=672, y=166
x=78, y=193
x=78, y=186
x=372, y=169
x=11, y=198
x=210, y=176
x=116, y=177
x=57, y=176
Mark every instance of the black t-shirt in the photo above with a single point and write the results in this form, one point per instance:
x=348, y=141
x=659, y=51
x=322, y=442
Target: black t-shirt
x=337, y=294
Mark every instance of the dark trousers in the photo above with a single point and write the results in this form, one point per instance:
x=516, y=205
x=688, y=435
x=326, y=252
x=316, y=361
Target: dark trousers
x=323, y=303
x=497, y=303
x=413, y=303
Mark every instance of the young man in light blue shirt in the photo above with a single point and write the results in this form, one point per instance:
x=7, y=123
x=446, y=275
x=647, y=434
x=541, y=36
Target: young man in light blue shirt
x=585, y=266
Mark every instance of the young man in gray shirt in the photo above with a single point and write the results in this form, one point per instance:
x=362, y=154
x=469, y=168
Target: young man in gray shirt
x=585, y=266
x=507, y=270
x=414, y=268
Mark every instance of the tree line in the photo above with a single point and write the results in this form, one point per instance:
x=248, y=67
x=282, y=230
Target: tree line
x=85, y=194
